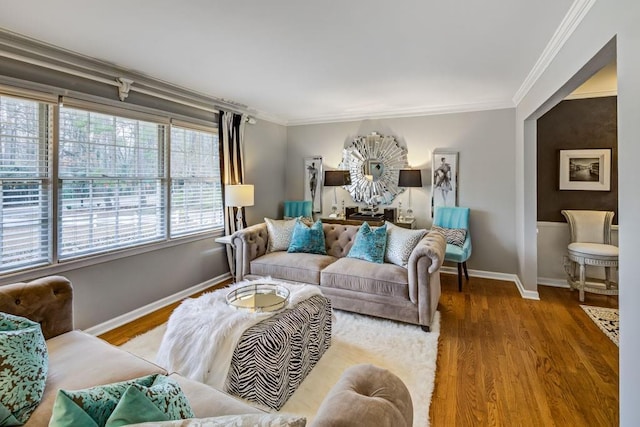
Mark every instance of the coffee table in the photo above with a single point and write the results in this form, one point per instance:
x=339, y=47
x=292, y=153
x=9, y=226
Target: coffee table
x=273, y=357
x=259, y=297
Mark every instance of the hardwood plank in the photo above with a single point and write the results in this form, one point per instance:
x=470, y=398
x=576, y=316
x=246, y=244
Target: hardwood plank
x=506, y=361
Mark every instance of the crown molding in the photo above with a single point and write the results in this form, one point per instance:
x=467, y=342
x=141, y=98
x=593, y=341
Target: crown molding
x=569, y=23
x=30, y=51
x=592, y=94
x=401, y=113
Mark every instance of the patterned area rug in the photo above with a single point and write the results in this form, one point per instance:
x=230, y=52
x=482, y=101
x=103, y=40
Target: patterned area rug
x=606, y=319
x=405, y=350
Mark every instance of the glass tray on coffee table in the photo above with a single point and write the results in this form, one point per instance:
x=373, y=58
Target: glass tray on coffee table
x=259, y=297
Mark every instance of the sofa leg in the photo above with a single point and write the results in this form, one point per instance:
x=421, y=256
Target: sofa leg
x=459, y=277
x=426, y=328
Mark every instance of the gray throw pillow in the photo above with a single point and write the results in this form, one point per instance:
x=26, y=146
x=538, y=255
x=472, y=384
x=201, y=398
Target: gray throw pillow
x=400, y=243
x=280, y=231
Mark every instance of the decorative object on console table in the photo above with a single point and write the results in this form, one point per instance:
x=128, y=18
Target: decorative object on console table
x=336, y=178
x=239, y=196
x=585, y=170
x=313, y=182
x=444, y=188
x=409, y=178
x=390, y=214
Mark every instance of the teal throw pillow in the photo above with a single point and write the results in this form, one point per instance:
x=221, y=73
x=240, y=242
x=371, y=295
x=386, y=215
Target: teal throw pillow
x=94, y=406
x=308, y=239
x=24, y=363
x=369, y=244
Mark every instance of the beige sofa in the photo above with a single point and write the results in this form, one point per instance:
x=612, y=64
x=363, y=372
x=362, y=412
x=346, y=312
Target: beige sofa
x=407, y=294
x=78, y=360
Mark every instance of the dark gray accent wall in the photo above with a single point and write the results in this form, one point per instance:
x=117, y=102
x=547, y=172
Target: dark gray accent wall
x=574, y=125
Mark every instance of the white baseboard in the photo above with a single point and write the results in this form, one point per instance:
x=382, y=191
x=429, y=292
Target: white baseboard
x=550, y=281
x=150, y=308
x=526, y=294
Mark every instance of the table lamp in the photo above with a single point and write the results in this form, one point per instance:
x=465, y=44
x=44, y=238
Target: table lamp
x=239, y=196
x=409, y=178
x=335, y=179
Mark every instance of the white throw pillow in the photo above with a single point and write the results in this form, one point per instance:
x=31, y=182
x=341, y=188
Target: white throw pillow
x=400, y=243
x=244, y=420
x=280, y=231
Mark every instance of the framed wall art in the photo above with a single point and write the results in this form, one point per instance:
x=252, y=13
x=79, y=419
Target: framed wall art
x=313, y=182
x=588, y=170
x=444, y=184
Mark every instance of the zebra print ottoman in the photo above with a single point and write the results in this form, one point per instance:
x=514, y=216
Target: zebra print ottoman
x=274, y=356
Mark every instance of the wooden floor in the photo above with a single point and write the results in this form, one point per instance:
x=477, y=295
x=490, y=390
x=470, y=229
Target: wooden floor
x=507, y=361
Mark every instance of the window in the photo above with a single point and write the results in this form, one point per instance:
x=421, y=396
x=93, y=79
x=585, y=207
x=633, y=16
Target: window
x=111, y=174
x=117, y=178
x=25, y=229
x=196, y=194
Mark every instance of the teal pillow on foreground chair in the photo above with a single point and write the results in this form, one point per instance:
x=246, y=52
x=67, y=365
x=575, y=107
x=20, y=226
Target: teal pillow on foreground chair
x=24, y=363
x=453, y=219
x=152, y=398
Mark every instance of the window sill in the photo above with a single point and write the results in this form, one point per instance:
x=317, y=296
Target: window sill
x=74, y=264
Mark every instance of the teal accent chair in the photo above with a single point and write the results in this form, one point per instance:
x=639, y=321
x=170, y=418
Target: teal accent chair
x=296, y=208
x=446, y=217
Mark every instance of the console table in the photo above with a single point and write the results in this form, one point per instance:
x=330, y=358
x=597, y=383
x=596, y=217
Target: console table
x=411, y=224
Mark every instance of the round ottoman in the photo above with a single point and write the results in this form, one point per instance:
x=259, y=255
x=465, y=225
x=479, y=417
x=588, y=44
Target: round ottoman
x=369, y=396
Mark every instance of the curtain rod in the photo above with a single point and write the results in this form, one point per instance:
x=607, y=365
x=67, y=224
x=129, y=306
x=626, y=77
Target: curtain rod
x=125, y=85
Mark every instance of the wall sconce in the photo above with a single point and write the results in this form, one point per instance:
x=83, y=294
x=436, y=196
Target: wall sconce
x=238, y=196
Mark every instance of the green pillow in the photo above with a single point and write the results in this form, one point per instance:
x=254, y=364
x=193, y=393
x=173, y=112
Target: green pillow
x=308, y=239
x=369, y=244
x=24, y=363
x=97, y=404
x=135, y=407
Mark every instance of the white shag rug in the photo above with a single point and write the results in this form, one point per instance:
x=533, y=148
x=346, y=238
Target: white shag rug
x=405, y=350
x=607, y=320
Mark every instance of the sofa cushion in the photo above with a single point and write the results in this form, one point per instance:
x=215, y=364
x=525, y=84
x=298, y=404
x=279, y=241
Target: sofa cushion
x=400, y=243
x=23, y=368
x=369, y=244
x=298, y=267
x=362, y=276
x=307, y=239
x=98, y=361
x=280, y=231
x=207, y=401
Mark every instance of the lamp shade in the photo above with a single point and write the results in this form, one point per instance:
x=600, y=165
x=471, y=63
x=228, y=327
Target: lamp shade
x=337, y=178
x=409, y=178
x=238, y=195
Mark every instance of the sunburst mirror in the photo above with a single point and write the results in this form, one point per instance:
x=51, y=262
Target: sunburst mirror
x=374, y=161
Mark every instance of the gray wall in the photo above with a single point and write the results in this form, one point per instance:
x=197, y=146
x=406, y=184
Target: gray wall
x=604, y=21
x=485, y=142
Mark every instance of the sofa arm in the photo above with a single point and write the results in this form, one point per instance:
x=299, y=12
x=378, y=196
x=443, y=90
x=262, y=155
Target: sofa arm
x=366, y=395
x=424, y=275
x=249, y=244
x=48, y=301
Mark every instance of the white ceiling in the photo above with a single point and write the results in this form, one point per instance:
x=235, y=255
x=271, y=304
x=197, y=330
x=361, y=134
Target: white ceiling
x=297, y=61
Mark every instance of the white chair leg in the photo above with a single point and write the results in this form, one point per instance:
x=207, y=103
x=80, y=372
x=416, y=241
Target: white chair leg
x=582, y=280
x=607, y=277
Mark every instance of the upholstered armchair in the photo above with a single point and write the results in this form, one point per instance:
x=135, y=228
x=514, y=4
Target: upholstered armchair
x=296, y=208
x=451, y=220
x=590, y=235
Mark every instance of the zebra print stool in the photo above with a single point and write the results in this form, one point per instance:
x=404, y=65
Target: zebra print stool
x=274, y=356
